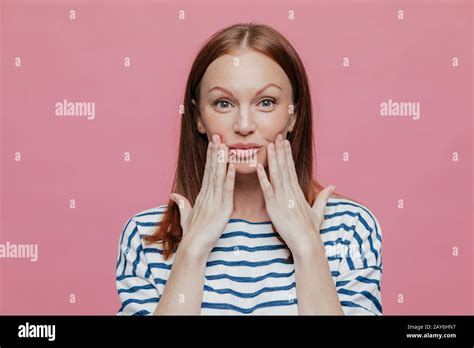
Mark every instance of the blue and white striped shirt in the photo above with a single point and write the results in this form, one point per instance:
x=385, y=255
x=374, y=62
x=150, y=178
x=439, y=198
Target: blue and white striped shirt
x=247, y=271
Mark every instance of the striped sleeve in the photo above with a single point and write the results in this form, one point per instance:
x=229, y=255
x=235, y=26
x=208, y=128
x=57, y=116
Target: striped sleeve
x=360, y=271
x=136, y=289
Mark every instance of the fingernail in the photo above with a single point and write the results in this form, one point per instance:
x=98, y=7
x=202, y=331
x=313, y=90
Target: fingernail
x=280, y=137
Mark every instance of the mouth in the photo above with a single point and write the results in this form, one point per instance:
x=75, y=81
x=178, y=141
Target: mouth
x=249, y=146
x=244, y=151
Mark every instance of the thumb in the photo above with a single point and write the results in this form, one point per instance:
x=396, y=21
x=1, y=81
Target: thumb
x=184, y=207
x=321, y=201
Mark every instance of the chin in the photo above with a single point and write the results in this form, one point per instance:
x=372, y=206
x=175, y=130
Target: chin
x=245, y=168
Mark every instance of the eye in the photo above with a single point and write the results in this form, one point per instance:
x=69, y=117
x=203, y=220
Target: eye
x=222, y=103
x=267, y=103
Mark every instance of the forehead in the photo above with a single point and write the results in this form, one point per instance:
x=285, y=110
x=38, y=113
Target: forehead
x=242, y=68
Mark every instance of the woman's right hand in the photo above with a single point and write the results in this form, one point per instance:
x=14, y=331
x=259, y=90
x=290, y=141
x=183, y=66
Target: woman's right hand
x=204, y=223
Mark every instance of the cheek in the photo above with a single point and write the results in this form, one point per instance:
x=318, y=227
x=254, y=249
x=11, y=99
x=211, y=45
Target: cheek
x=273, y=124
x=220, y=125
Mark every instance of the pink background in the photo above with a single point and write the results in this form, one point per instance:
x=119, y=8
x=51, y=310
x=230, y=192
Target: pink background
x=391, y=158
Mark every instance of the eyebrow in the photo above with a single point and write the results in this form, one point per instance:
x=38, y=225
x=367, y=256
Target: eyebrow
x=258, y=92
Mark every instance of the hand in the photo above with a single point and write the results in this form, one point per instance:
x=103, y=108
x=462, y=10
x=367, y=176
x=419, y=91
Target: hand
x=295, y=220
x=204, y=223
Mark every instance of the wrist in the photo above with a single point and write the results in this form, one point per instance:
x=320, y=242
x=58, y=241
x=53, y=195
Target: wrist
x=308, y=249
x=192, y=251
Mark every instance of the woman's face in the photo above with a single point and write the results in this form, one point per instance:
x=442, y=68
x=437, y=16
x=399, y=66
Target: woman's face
x=246, y=99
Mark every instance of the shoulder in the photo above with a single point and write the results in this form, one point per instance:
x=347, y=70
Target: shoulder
x=143, y=223
x=353, y=224
x=147, y=220
x=351, y=214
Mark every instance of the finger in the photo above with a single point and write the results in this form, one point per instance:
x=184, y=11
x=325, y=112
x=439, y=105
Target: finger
x=205, y=179
x=184, y=206
x=321, y=201
x=207, y=168
x=292, y=170
x=267, y=189
x=221, y=169
x=282, y=164
x=275, y=175
x=213, y=164
x=228, y=196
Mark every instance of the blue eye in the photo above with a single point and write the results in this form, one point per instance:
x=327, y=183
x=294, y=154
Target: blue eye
x=268, y=100
x=222, y=102
x=225, y=104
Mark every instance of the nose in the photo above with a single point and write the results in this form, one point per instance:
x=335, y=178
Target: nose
x=244, y=123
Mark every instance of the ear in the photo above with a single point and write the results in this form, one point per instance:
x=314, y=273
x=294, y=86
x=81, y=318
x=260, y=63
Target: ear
x=200, y=124
x=292, y=122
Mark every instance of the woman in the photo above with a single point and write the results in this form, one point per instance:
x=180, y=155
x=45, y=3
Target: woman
x=248, y=230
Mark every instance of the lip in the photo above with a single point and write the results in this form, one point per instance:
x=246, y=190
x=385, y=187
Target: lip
x=242, y=146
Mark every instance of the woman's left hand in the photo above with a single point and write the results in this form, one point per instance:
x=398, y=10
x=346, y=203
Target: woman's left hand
x=295, y=220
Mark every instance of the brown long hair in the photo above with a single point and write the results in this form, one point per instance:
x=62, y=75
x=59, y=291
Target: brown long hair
x=193, y=145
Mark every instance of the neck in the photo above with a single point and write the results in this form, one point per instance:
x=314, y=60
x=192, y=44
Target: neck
x=249, y=203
